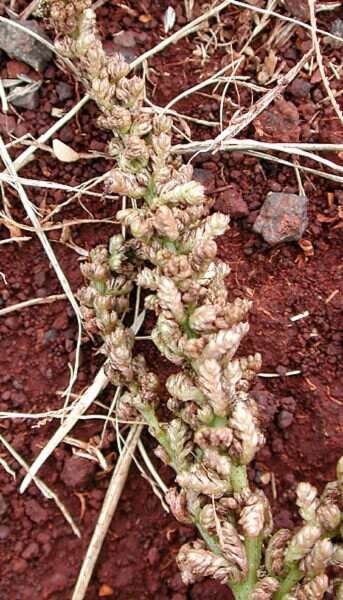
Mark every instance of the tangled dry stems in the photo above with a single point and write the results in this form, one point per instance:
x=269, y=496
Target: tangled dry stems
x=214, y=431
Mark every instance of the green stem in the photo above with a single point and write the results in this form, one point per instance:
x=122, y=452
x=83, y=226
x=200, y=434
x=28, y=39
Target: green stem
x=253, y=546
x=289, y=582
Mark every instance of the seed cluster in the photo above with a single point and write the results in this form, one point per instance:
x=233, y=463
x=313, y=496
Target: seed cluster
x=213, y=432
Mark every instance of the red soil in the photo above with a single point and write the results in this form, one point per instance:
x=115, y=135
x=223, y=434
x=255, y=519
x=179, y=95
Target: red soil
x=39, y=555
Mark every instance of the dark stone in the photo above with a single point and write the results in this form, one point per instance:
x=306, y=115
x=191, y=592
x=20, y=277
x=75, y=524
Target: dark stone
x=64, y=91
x=22, y=46
x=77, y=472
x=28, y=101
x=282, y=218
x=35, y=511
x=230, y=202
x=285, y=419
x=300, y=88
x=4, y=532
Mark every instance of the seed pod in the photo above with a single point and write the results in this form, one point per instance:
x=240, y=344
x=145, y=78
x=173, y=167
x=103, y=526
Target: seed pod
x=246, y=431
x=233, y=549
x=203, y=482
x=177, y=501
x=313, y=590
x=307, y=501
x=252, y=516
x=329, y=516
x=195, y=563
x=317, y=560
x=302, y=542
x=265, y=589
x=275, y=551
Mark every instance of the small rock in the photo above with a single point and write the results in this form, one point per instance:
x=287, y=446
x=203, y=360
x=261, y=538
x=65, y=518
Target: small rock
x=105, y=591
x=230, y=202
x=284, y=419
x=4, y=532
x=279, y=123
x=298, y=8
x=284, y=519
x=3, y=505
x=28, y=101
x=19, y=565
x=205, y=177
x=15, y=68
x=77, y=472
x=35, y=511
x=337, y=29
x=64, y=91
x=31, y=551
x=57, y=582
x=153, y=556
x=283, y=218
x=300, y=88
x=22, y=46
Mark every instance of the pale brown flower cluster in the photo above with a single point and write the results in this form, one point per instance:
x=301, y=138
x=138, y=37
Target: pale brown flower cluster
x=214, y=430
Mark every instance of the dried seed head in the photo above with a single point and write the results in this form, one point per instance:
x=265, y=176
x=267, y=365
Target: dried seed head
x=216, y=437
x=313, y=590
x=225, y=342
x=317, y=560
x=136, y=149
x=233, y=549
x=162, y=124
x=170, y=298
x=252, y=516
x=209, y=381
x=219, y=463
x=307, y=501
x=275, y=551
x=181, y=387
x=329, y=516
x=203, y=481
x=117, y=67
x=246, y=431
x=119, y=118
x=165, y=224
x=178, y=436
x=265, y=589
x=195, y=563
x=124, y=184
x=177, y=501
x=302, y=542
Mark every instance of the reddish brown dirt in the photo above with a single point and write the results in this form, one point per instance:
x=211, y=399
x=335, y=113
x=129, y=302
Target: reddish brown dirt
x=39, y=555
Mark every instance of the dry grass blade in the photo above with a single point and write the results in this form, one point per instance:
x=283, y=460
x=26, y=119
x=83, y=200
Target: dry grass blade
x=46, y=491
x=26, y=156
x=107, y=511
x=78, y=409
x=320, y=61
x=32, y=302
x=239, y=122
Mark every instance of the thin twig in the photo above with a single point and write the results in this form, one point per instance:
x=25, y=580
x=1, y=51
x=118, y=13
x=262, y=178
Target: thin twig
x=80, y=407
x=107, y=511
x=32, y=302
